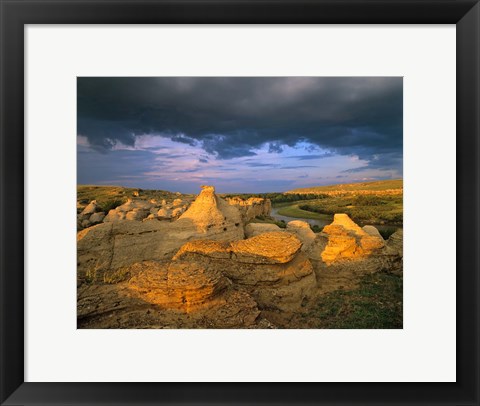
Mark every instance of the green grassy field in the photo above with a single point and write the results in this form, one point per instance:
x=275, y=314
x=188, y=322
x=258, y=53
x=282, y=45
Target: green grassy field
x=376, y=304
x=294, y=210
x=351, y=187
x=369, y=209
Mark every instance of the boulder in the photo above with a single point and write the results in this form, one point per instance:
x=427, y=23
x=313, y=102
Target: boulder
x=373, y=231
x=253, y=229
x=177, y=202
x=395, y=242
x=90, y=209
x=114, y=215
x=137, y=214
x=182, y=285
x=164, y=213
x=96, y=218
x=177, y=212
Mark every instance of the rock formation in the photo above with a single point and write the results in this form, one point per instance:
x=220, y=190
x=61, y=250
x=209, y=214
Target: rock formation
x=348, y=241
x=270, y=267
x=253, y=229
x=303, y=231
x=252, y=207
x=96, y=218
x=117, y=242
x=210, y=214
x=395, y=242
x=267, y=248
x=90, y=209
x=182, y=285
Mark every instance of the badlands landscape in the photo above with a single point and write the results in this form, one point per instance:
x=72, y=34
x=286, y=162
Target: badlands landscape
x=157, y=259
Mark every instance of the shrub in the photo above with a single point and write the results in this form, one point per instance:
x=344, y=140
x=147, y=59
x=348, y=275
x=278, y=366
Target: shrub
x=111, y=204
x=387, y=232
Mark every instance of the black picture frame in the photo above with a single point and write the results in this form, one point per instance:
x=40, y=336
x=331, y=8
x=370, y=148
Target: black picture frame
x=15, y=14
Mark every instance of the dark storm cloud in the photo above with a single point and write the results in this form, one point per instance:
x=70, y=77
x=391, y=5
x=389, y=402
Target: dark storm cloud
x=232, y=117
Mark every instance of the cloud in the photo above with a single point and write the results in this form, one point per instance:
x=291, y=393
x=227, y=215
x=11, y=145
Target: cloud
x=314, y=156
x=234, y=117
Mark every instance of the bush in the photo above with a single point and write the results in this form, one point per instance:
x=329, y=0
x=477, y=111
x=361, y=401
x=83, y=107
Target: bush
x=110, y=205
x=315, y=228
x=387, y=232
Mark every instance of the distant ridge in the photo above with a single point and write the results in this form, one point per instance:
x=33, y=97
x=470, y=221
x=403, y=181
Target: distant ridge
x=382, y=186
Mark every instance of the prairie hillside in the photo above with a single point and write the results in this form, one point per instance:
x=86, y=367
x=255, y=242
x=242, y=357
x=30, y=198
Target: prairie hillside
x=108, y=194
x=383, y=186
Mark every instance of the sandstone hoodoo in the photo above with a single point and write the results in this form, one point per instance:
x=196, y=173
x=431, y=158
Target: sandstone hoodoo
x=211, y=214
x=348, y=241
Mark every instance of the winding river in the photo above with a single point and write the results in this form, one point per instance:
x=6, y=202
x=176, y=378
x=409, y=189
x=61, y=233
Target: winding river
x=322, y=222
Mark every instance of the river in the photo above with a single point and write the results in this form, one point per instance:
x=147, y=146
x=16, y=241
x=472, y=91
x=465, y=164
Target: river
x=323, y=222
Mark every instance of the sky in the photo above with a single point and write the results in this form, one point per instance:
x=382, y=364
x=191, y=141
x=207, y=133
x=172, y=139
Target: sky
x=240, y=134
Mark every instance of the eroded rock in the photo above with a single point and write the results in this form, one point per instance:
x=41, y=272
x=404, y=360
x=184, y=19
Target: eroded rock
x=268, y=248
x=253, y=229
x=348, y=241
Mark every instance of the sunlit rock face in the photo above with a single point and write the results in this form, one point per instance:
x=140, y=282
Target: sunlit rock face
x=211, y=214
x=252, y=207
x=267, y=248
x=270, y=267
x=180, y=285
x=348, y=241
x=90, y=209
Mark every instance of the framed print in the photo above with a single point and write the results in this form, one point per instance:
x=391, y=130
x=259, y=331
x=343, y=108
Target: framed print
x=274, y=202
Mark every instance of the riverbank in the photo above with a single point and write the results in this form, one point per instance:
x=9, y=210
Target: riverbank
x=317, y=221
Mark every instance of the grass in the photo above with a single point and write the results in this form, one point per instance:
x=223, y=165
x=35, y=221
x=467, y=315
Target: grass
x=116, y=276
x=376, y=304
x=362, y=209
x=295, y=211
x=349, y=187
x=268, y=220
